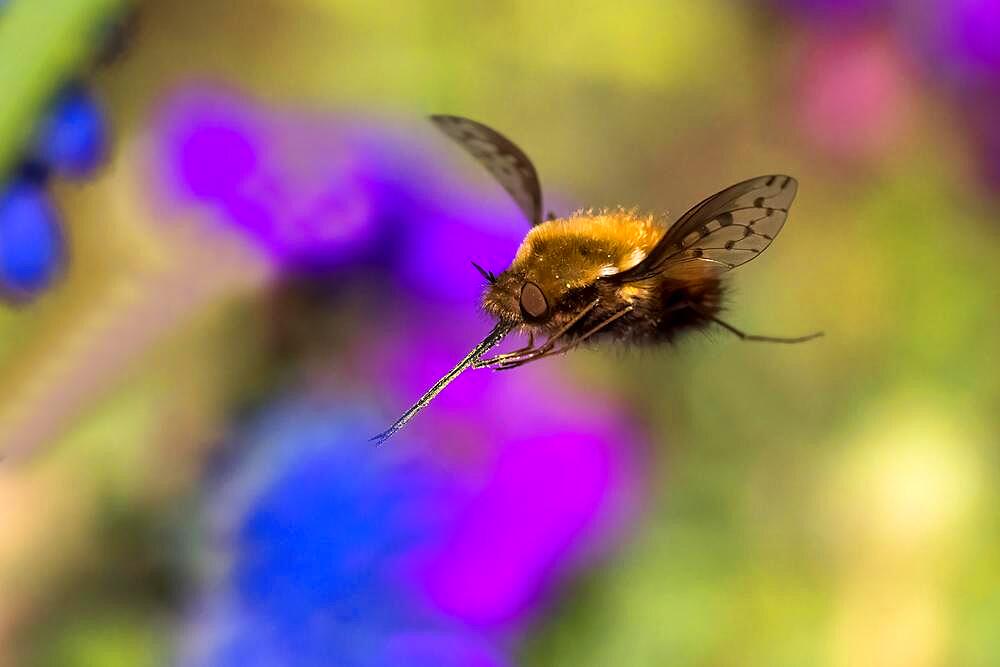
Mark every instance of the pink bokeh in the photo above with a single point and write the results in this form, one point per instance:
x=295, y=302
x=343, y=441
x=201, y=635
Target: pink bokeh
x=853, y=96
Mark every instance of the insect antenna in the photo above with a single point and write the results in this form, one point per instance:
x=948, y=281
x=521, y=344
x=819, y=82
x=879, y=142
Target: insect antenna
x=491, y=340
x=488, y=275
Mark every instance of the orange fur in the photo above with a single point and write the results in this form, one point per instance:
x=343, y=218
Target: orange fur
x=573, y=252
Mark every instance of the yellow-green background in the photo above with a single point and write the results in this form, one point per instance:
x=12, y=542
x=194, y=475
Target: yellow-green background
x=828, y=504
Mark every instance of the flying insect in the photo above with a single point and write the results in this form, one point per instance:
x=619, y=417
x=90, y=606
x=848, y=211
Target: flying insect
x=611, y=275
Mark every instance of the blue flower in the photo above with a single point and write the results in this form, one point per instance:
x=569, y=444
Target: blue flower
x=72, y=137
x=318, y=525
x=31, y=242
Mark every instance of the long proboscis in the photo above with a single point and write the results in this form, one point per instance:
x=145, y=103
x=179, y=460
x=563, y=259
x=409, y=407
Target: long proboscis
x=491, y=340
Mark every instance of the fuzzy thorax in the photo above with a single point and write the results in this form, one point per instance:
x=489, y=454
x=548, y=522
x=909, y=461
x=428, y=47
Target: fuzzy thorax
x=570, y=254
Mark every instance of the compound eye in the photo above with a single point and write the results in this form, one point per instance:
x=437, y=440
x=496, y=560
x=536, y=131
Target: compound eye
x=533, y=303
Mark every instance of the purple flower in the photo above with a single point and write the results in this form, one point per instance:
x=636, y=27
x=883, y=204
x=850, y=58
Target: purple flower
x=550, y=469
x=316, y=194
x=343, y=553
x=316, y=523
x=541, y=498
x=301, y=192
x=969, y=31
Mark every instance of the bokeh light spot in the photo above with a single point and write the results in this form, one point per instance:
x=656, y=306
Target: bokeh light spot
x=215, y=156
x=543, y=494
x=72, y=138
x=31, y=243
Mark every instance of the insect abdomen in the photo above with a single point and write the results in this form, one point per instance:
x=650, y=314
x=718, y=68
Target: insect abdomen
x=670, y=308
x=687, y=306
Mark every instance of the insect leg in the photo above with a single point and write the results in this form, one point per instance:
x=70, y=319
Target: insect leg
x=569, y=346
x=530, y=354
x=483, y=363
x=751, y=337
x=621, y=313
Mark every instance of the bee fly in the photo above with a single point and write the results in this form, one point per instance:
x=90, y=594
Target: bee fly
x=610, y=275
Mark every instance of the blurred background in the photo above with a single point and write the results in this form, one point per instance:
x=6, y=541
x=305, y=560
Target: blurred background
x=232, y=249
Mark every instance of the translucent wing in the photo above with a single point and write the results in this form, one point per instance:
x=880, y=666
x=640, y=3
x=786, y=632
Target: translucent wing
x=724, y=231
x=508, y=163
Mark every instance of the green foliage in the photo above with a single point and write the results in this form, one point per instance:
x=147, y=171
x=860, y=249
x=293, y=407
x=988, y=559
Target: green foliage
x=42, y=44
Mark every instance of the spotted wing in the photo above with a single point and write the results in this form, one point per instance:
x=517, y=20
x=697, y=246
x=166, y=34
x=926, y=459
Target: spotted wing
x=508, y=163
x=724, y=231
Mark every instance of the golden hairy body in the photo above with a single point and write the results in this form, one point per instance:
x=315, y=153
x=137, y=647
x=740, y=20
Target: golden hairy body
x=570, y=264
x=572, y=253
